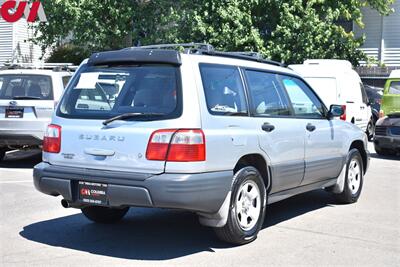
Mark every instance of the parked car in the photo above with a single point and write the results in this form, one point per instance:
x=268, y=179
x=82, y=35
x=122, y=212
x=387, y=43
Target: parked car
x=28, y=96
x=391, y=95
x=387, y=136
x=375, y=98
x=336, y=82
x=217, y=133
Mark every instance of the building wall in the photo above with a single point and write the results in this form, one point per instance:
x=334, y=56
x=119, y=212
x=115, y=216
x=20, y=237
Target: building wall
x=382, y=35
x=6, y=44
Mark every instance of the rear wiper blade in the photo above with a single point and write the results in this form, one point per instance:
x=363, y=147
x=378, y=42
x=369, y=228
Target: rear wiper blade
x=131, y=115
x=26, y=98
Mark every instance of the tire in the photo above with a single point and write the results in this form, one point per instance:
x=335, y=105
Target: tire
x=354, y=178
x=370, y=130
x=104, y=214
x=240, y=227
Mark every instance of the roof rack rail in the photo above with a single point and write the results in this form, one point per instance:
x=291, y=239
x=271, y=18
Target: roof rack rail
x=251, y=56
x=207, y=49
x=202, y=46
x=44, y=66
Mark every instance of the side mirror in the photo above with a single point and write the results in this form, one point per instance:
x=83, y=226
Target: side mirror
x=335, y=111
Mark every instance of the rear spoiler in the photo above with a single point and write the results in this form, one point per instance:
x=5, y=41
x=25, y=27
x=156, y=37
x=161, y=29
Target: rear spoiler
x=136, y=55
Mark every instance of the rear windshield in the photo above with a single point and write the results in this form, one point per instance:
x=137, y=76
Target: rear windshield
x=29, y=87
x=394, y=88
x=102, y=92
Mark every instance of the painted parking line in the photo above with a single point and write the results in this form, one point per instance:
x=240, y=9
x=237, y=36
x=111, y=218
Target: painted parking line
x=16, y=182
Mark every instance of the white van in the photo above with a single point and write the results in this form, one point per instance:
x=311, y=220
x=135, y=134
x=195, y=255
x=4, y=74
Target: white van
x=336, y=82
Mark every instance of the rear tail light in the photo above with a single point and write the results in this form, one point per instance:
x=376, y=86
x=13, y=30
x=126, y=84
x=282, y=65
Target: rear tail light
x=177, y=145
x=52, y=139
x=343, y=117
x=381, y=114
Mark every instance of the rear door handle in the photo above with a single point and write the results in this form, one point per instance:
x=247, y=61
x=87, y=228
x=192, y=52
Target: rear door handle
x=310, y=127
x=99, y=152
x=267, y=127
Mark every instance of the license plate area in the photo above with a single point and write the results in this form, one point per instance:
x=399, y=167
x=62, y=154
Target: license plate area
x=92, y=193
x=14, y=112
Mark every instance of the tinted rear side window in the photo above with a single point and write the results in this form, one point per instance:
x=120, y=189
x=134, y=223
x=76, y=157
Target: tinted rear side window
x=223, y=89
x=35, y=87
x=266, y=93
x=108, y=91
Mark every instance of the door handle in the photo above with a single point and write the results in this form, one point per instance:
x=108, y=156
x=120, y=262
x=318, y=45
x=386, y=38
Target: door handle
x=310, y=127
x=267, y=127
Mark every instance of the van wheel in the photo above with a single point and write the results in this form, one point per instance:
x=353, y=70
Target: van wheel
x=104, y=214
x=354, y=178
x=247, y=208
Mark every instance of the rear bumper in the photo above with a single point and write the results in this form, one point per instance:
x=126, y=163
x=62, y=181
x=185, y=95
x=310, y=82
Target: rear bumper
x=22, y=132
x=200, y=192
x=388, y=142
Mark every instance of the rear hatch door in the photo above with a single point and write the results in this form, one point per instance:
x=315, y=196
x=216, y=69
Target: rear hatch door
x=150, y=93
x=26, y=101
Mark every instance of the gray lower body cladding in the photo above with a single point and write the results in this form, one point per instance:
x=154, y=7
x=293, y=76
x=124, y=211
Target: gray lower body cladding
x=200, y=192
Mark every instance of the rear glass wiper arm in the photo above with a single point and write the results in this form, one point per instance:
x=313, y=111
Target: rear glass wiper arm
x=131, y=115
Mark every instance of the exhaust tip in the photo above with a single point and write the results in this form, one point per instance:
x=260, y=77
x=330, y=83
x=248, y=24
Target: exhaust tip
x=65, y=203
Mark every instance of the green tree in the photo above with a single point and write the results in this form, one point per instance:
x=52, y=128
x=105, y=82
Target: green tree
x=289, y=31
x=309, y=29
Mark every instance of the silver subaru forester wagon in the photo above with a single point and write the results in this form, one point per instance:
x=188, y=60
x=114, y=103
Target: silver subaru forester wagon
x=217, y=133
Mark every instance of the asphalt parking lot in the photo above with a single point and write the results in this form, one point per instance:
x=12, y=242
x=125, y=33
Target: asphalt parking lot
x=309, y=229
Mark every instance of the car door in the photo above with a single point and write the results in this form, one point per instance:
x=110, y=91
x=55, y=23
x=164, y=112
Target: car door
x=323, y=142
x=281, y=136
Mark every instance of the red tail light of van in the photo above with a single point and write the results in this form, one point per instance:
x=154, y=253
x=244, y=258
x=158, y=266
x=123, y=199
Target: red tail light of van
x=343, y=117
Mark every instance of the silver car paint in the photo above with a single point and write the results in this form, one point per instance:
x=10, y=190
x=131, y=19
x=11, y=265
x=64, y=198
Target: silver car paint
x=288, y=150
